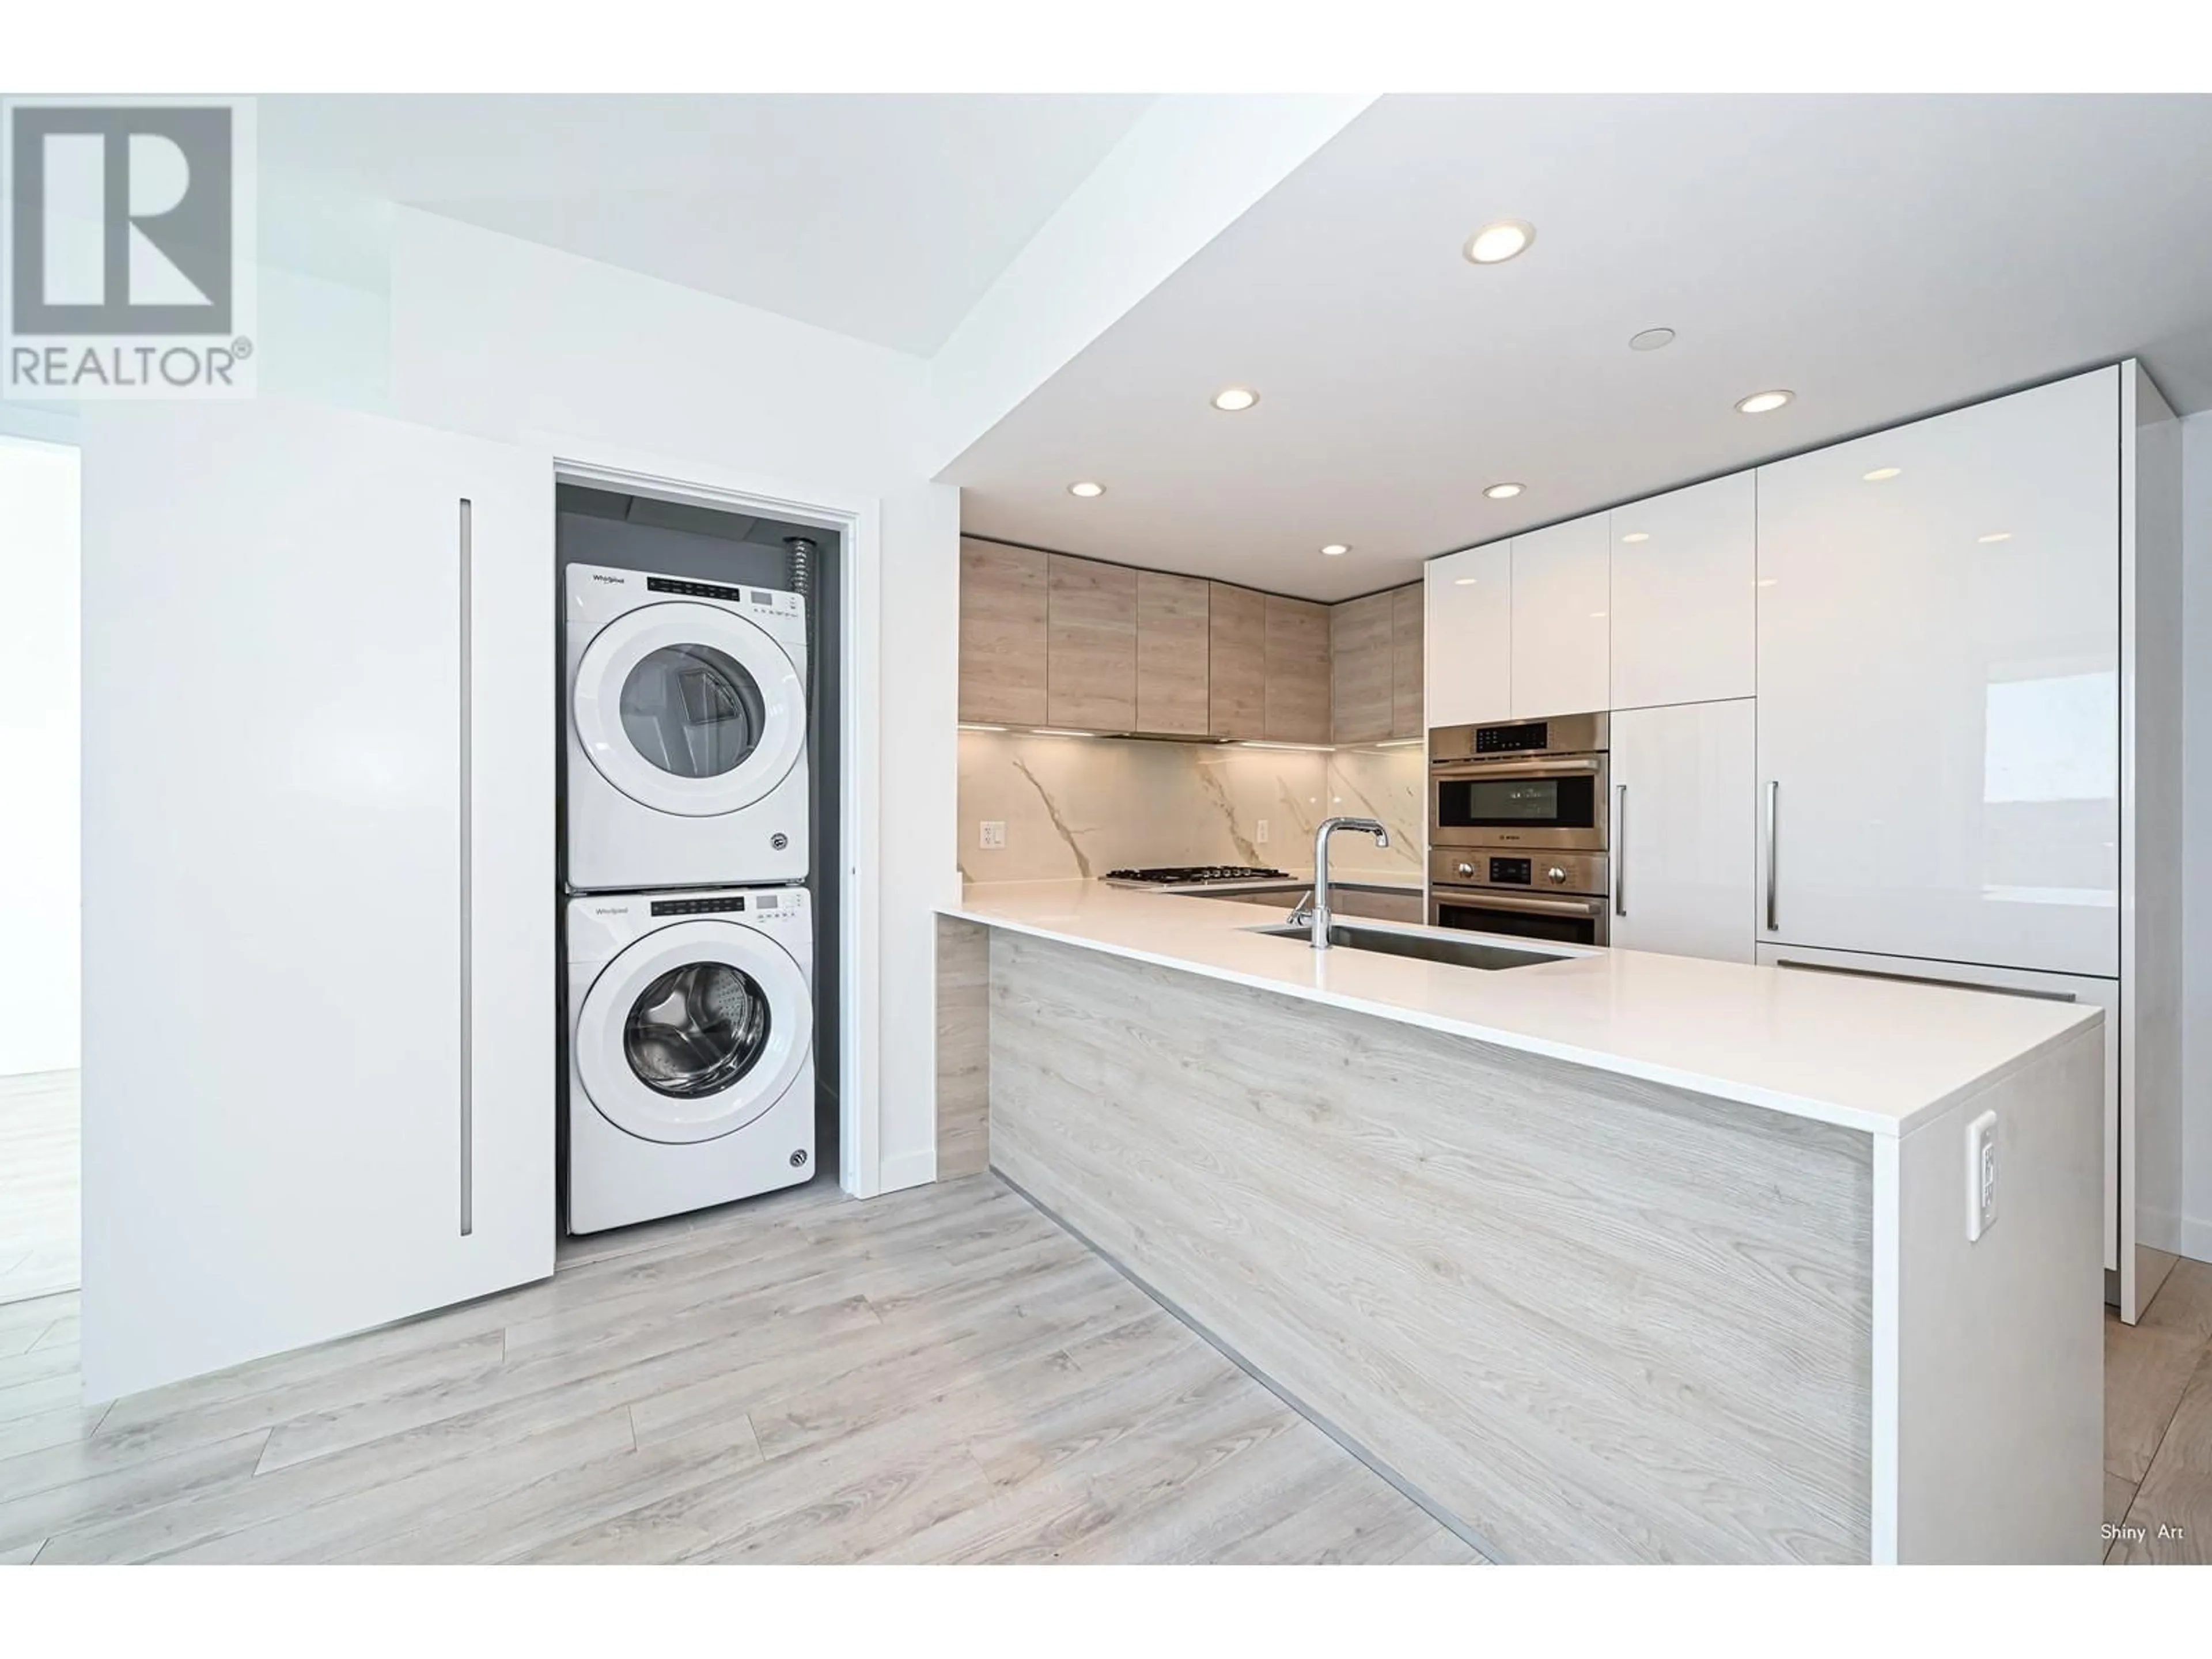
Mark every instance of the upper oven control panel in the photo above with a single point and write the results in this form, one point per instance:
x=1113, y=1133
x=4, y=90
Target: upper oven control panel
x=1559, y=734
x=1512, y=739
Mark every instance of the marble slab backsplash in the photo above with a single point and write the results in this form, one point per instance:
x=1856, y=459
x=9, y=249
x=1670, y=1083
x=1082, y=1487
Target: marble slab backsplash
x=1081, y=807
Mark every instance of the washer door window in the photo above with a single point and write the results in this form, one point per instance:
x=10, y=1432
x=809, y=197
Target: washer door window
x=693, y=1032
x=689, y=710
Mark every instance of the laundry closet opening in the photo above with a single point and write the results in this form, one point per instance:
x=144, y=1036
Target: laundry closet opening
x=698, y=829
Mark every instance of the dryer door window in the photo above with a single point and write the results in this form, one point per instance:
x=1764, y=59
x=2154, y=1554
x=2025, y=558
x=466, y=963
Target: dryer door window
x=689, y=710
x=694, y=1031
x=697, y=1029
x=692, y=710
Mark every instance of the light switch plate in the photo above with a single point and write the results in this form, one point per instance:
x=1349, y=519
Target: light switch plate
x=1260, y=833
x=1982, y=1166
x=994, y=833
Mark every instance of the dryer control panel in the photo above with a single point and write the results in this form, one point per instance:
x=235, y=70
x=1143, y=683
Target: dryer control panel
x=761, y=599
x=762, y=906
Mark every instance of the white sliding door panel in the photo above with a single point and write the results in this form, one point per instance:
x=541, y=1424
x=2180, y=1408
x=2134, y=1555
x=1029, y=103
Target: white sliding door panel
x=1685, y=817
x=281, y=1142
x=1938, y=685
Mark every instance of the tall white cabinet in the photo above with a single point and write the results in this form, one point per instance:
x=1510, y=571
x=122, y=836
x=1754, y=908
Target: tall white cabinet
x=1938, y=713
x=319, y=964
x=1683, y=830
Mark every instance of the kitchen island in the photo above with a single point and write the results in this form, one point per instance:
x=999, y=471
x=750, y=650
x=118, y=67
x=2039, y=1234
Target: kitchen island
x=1616, y=1256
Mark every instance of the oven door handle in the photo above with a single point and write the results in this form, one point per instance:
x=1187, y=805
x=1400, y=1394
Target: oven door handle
x=1586, y=765
x=1530, y=904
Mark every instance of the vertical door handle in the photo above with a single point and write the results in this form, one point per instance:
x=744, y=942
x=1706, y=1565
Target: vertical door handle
x=467, y=869
x=1621, y=849
x=1773, y=816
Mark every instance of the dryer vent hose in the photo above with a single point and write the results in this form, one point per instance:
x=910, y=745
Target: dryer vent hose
x=802, y=563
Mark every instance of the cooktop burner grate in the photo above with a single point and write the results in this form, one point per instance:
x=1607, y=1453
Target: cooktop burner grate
x=1182, y=875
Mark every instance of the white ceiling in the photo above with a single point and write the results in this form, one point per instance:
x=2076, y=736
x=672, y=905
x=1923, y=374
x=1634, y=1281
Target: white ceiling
x=1883, y=257
x=884, y=218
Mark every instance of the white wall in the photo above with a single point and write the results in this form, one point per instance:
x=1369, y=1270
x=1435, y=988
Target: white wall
x=39, y=893
x=2195, y=1231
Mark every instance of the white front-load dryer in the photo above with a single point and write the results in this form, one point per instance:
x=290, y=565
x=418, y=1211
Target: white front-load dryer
x=687, y=732
x=690, y=1051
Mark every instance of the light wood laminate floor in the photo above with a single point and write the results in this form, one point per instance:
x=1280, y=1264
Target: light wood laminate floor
x=38, y=1185
x=942, y=1374
x=2158, y=1424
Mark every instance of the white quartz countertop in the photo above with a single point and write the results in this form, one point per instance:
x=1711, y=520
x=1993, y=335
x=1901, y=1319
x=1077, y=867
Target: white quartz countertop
x=1878, y=1055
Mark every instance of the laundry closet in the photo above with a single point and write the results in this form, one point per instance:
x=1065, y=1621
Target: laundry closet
x=697, y=841
x=327, y=913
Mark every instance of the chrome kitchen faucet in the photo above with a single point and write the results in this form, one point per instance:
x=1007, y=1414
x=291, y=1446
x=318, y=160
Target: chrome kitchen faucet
x=1320, y=913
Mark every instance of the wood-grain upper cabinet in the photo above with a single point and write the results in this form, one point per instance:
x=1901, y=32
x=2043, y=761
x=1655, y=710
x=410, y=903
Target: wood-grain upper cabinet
x=1002, y=633
x=1172, y=629
x=1407, y=685
x=1562, y=644
x=1090, y=644
x=1362, y=670
x=1298, y=669
x=1237, y=661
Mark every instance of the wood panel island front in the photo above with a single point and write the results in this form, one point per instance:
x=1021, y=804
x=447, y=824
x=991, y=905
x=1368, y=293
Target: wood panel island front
x=1621, y=1257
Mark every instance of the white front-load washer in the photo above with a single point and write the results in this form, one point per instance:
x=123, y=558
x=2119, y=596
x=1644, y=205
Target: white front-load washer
x=690, y=1050
x=687, y=732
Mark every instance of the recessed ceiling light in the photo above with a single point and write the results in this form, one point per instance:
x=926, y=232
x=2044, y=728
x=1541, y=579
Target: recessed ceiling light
x=1760, y=402
x=1995, y=536
x=1086, y=489
x=1234, y=398
x=1881, y=474
x=1465, y=581
x=1334, y=551
x=1504, y=492
x=1500, y=240
x=1638, y=535
x=1652, y=339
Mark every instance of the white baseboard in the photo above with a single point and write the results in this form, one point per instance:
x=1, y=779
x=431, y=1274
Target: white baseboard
x=915, y=1169
x=2186, y=1234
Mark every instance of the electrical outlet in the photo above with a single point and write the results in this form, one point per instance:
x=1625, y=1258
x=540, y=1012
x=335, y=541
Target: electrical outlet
x=1982, y=1166
x=994, y=833
x=1259, y=838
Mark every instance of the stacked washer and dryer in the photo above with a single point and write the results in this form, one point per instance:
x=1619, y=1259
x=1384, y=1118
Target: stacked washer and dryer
x=690, y=942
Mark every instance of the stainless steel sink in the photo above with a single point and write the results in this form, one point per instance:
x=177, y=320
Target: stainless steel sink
x=1459, y=952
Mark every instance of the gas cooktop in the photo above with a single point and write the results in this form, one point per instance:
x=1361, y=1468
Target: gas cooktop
x=1191, y=875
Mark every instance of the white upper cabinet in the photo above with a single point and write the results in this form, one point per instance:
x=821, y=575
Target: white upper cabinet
x=1561, y=639
x=1938, y=686
x=1467, y=644
x=1684, y=821
x=1685, y=627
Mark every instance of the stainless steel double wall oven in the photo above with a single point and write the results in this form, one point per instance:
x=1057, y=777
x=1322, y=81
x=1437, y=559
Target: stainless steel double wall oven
x=1518, y=830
